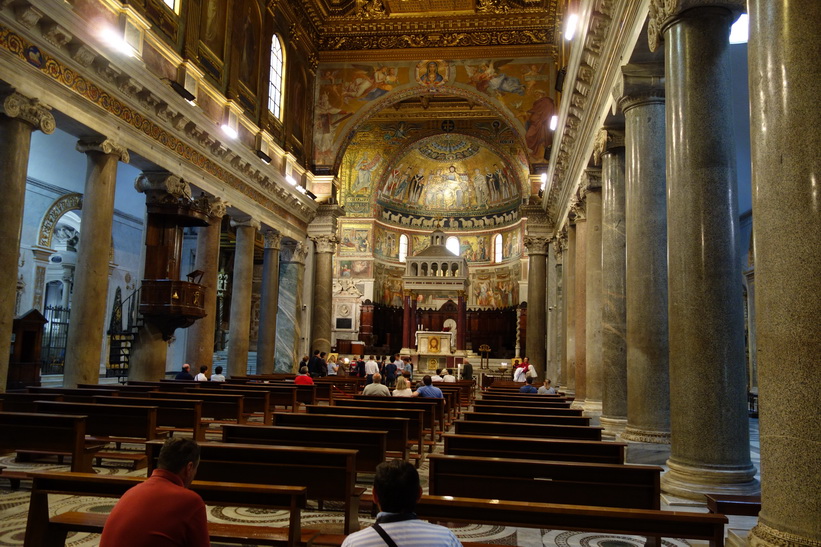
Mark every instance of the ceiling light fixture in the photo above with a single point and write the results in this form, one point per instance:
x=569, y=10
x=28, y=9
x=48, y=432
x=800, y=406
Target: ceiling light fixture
x=570, y=26
x=554, y=122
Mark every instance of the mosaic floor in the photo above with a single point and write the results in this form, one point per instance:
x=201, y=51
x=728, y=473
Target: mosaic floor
x=14, y=505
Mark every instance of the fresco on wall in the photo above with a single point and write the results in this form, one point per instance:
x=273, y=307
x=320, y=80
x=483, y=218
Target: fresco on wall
x=433, y=73
x=248, y=28
x=494, y=289
x=510, y=244
x=212, y=26
x=355, y=239
x=388, y=286
x=355, y=268
x=385, y=243
x=475, y=248
x=419, y=244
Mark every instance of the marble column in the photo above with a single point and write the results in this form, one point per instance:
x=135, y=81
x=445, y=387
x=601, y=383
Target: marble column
x=269, y=304
x=710, y=448
x=569, y=386
x=580, y=306
x=560, y=248
x=239, y=328
x=289, y=322
x=613, y=310
x=551, y=365
x=536, y=349
x=648, y=403
x=19, y=116
x=593, y=297
x=323, y=292
x=784, y=88
x=89, y=301
x=201, y=335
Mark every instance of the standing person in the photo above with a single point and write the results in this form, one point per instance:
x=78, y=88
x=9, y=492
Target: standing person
x=322, y=367
x=201, y=377
x=528, y=387
x=371, y=368
x=402, y=388
x=303, y=378
x=185, y=374
x=162, y=511
x=467, y=370
x=313, y=363
x=390, y=371
x=360, y=367
x=396, y=491
x=376, y=388
x=428, y=389
x=218, y=376
x=304, y=362
x=547, y=389
x=523, y=371
x=333, y=367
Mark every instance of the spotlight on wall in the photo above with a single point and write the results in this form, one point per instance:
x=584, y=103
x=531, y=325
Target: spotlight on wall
x=263, y=156
x=570, y=26
x=290, y=180
x=229, y=131
x=310, y=194
x=181, y=91
x=554, y=121
x=560, y=75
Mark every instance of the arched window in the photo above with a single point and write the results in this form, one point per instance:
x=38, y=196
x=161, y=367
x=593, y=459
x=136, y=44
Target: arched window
x=403, y=248
x=452, y=245
x=173, y=4
x=275, y=77
x=497, y=247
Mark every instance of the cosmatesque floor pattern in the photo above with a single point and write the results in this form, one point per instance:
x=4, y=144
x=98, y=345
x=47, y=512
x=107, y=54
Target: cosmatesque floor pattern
x=14, y=506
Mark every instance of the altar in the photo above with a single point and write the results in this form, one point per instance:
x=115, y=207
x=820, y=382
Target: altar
x=437, y=343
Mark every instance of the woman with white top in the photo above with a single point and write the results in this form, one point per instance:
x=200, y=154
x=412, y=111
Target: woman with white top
x=402, y=388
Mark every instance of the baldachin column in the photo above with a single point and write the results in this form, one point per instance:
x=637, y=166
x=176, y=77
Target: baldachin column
x=785, y=83
x=19, y=116
x=239, y=328
x=710, y=449
x=269, y=304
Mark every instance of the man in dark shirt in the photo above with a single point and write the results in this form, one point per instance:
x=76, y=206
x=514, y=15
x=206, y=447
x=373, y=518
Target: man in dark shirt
x=185, y=374
x=162, y=511
x=313, y=364
x=467, y=370
x=528, y=387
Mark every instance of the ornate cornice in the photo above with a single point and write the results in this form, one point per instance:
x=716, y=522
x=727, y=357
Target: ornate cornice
x=358, y=41
x=663, y=12
x=31, y=111
x=591, y=181
x=104, y=146
x=537, y=245
x=273, y=239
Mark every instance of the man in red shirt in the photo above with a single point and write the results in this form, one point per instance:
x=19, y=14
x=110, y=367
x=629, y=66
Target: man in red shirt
x=303, y=378
x=162, y=511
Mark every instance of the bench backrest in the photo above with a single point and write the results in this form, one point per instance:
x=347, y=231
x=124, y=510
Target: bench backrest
x=535, y=449
x=609, y=485
x=525, y=418
x=219, y=406
x=534, y=401
x=397, y=428
x=510, y=408
x=415, y=417
x=40, y=431
x=26, y=402
x=126, y=421
x=520, y=429
x=175, y=413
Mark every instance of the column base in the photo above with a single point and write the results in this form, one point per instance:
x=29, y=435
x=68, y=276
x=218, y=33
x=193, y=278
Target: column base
x=577, y=403
x=646, y=453
x=765, y=536
x=690, y=482
x=593, y=410
x=648, y=436
x=613, y=427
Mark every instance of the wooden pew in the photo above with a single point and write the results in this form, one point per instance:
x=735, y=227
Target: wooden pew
x=217, y=406
x=608, y=520
x=512, y=429
x=435, y=409
x=525, y=418
x=524, y=397
x=526, y=448
x=479, y=406
x=286, y=394
x=109, y=423
x=729, y=504
x=414, y=416
x=73, y=395
x=397, y=428
x=370, y=446
x=26, y=402
x=255, y=402
x=119, y=388
x=608, y=485
x=327, y=473
x=44, y=531
x=34, y=433
x=172, y=414
x=524, y=401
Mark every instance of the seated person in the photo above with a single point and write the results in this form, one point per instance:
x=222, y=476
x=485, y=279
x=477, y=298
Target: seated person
x=428, y=389
x=528, y=387
x=376, y=387
x=448, y=377
x=547, y=389
x=303, y=378
x=201, y=377
x=436, y=377
x=162, y=511
x=402, y=388
x=185, y=374
x=396, y=490
x=218, y=376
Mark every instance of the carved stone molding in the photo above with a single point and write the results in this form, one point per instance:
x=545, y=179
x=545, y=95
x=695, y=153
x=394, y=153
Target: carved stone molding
x=325, y=243
x=103, y=146
x=245, y=222
x=578, y=210
x=300, y=253
x=273, y=239
x=766, y=536
x=162, y=187
x=537, y=245
x=644, y=436
x=32, y=111
x=212, y=206
x=591, y=181
x=662, y=12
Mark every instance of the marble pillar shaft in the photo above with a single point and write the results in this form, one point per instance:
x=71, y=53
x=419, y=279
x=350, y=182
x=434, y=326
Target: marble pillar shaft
x=561, y=325
x=15, y=134
x=289, y=323
x=89, y=301
x=535, y=348
x=201, y=335
x=710, y=449
x=408, y=325
x=614, y=311
x=593, y=301
x=269, y=304
x=322, y=313
x=785, y=83
x=552, y=365
x=462, y=318
x=569, y=282
x=580, y=308
x=239, y=328
x=648, y=402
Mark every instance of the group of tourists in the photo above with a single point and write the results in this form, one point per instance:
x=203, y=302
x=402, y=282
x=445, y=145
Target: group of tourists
x=185, y=374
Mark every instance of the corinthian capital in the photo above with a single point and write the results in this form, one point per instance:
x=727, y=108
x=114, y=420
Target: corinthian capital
x=103, y=146
x=664, y=11
x=31, y=111
x=537, y=245
x=162, y=186
x=213, y=206
x=273, y=239
x=325, y=243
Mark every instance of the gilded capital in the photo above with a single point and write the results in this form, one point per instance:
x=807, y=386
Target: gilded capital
x=537, y=245
x=273, y=239
x=662, y=12
x=104, y=146
x=31, y=111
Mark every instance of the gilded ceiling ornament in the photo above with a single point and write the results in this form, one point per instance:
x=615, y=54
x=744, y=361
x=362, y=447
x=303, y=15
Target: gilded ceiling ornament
x=372, y=9
x=492, y=6
x=428, y=40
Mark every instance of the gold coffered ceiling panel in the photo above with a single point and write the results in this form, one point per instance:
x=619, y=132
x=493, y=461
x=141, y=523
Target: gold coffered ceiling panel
x=396, y=7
